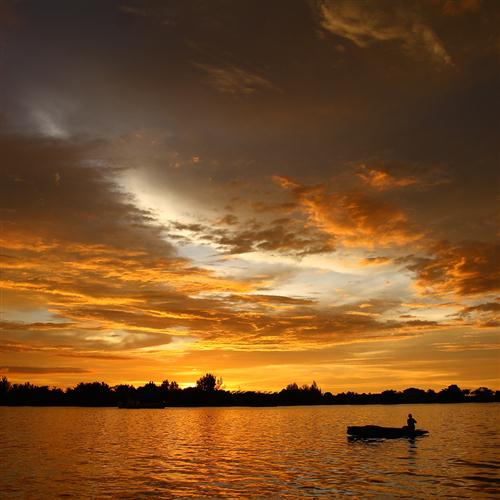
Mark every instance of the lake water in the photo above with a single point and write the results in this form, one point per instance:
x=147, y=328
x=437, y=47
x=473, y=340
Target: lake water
x=285, y=452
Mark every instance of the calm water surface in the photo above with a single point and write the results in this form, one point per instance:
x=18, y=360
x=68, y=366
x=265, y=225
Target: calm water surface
x=287, y=452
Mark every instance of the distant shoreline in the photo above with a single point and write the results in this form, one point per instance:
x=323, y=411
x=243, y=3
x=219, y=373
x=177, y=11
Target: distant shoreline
x=208, y=392
x=2, y=405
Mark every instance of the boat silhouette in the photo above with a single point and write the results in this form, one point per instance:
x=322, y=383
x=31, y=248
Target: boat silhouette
x=376, y=431
x=137, y=405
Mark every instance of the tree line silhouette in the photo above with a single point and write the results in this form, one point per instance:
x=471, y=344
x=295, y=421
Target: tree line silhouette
x=209, y=392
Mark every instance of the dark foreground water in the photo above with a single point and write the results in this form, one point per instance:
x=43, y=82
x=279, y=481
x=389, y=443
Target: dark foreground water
x=287, y=452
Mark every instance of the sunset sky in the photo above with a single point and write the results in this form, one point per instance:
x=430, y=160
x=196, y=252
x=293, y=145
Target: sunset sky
x=272, y=191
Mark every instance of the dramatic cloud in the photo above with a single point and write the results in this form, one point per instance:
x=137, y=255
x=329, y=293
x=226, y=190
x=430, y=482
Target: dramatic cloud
x=366, y=22
x=467, y=270
x=76, y=245
x=352, y=218
x=117, y=286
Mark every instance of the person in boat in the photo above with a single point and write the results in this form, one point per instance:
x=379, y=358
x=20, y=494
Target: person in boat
x=410, y=422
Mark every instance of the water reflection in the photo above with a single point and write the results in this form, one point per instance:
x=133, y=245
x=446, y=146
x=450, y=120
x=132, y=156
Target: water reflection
x=249, y=452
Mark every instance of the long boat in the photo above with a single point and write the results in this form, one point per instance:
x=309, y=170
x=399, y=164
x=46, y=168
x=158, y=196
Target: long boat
x=137, y=405
x=376, y=431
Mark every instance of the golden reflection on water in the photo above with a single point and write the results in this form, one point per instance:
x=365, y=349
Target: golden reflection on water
x=246, y=452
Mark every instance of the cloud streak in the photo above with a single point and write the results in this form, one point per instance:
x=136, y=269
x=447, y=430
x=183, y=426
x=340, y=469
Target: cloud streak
x=382, y=180
x=40, y=370
x=366, y=22
x=230, y=79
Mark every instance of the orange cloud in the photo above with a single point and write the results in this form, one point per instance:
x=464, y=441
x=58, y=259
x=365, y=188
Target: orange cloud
x=352, y=218
x=382, y=180
x=376, y=261
x=467, y=270
x=366, y=23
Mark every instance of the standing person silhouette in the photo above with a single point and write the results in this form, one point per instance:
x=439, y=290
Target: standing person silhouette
x=411, y=422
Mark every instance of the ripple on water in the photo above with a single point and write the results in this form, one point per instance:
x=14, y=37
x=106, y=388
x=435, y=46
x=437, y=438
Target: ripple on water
x=295, y=452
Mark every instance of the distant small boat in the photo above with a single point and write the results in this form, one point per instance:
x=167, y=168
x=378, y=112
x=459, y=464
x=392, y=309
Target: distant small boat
x=375, y=431
x=135, y=405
